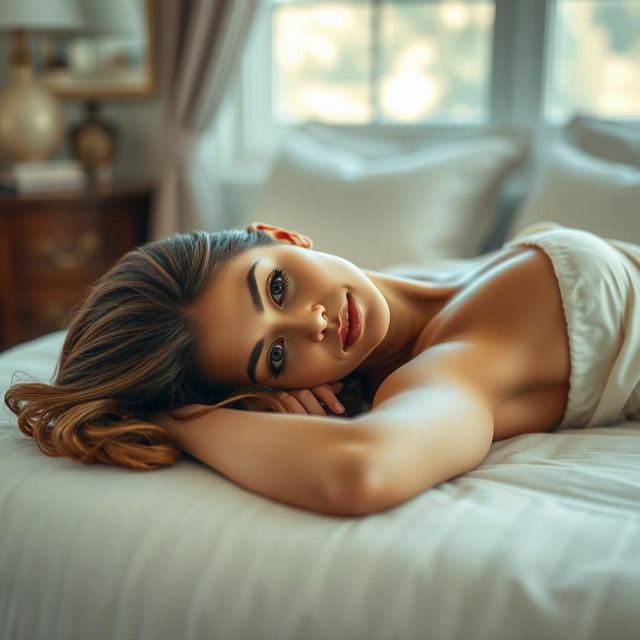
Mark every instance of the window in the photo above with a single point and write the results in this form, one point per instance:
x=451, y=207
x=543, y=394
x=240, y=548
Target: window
x=440, y=65
x=595, y=59
x=381, y=61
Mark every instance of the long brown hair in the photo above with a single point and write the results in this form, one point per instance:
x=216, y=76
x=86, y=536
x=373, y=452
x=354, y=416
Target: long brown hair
x=130, y=352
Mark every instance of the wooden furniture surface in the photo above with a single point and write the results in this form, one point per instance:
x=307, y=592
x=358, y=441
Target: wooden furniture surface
x=54, y=245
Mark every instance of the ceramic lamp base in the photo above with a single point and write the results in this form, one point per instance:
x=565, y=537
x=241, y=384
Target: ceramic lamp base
x=31, y=120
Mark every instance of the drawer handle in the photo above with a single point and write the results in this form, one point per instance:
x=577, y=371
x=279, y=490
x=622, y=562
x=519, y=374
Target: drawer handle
x=67, y=259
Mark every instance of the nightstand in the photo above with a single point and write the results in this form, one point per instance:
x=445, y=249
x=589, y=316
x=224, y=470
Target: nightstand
x=53, y=245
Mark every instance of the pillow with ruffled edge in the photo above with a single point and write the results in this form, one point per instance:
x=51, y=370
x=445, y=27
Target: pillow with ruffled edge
x=378, y=203
x=579, y=190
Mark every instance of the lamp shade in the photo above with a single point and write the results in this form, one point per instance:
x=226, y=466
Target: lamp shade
x=41, y=15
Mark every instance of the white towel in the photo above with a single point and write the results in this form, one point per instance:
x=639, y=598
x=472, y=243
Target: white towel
x=599, y=281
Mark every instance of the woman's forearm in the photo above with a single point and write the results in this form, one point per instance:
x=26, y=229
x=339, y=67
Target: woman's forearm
x=313, y=462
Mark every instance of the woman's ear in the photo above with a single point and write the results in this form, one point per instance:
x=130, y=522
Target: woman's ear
x=282, y=235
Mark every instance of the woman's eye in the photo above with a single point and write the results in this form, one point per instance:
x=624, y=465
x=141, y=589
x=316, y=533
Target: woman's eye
x=277, y=359
x=278, y=286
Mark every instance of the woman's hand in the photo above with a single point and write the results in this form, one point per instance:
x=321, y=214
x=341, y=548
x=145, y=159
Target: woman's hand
x=314, y=400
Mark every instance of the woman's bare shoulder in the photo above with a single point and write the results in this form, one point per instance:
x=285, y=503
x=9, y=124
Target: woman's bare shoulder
x=504, y=331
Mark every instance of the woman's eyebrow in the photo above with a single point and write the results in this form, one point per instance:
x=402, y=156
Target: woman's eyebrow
x=257, y=303
x=253, y=360
x=253, y=287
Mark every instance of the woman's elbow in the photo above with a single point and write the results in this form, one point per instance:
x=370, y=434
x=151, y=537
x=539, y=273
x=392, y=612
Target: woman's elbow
x=354, y=487
x=362, y=484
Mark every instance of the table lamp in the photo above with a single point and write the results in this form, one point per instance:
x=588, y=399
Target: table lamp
x=31, y=119
x=94, y=140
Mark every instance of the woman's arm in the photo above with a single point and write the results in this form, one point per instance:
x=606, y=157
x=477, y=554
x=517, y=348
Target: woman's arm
x=309, y=461
x=423, y=437
x=432, y=419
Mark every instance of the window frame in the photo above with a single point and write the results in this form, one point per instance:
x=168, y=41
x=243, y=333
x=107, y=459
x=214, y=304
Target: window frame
x=521, y=48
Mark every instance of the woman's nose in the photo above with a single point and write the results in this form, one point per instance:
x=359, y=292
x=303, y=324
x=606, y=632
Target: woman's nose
x=310, y=322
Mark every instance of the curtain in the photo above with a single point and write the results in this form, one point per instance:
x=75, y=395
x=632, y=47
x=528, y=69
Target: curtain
x=202, y=45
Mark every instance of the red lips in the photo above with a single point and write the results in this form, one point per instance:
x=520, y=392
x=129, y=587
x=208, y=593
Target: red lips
x=355, y=321
x=350, y=322
x=343, y=331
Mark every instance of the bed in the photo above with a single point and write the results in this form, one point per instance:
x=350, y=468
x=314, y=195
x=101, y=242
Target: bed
x=541, y=540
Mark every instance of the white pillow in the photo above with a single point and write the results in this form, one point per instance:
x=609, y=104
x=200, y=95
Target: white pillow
x=614, y=141
x=579, y=190
x=376, y=205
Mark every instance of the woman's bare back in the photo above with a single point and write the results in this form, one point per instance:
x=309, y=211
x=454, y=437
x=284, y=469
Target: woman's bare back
x=511, y=295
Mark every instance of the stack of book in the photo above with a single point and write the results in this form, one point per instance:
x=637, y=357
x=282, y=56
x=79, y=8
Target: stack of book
x=49, y=175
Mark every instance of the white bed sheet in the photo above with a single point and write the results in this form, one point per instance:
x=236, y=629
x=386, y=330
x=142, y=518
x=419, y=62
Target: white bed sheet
x=542, y=540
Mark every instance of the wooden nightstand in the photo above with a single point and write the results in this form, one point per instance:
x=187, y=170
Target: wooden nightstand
x=54, y=244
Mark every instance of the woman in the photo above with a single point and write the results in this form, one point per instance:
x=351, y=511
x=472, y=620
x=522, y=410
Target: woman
x=232, y=346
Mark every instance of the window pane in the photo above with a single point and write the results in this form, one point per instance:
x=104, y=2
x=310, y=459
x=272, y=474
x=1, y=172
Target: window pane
x=595, y=59
x=322, y=55
x=436, y=59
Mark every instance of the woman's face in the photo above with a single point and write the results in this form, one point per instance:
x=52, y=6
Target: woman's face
x=282, y=331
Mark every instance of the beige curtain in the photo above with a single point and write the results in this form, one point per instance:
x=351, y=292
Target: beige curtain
x=202, y=44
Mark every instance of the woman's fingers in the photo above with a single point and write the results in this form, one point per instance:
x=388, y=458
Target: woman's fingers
x=327, y=395
x=314, y=400
x=302, y=401
x=291, y=402
x=308, y=399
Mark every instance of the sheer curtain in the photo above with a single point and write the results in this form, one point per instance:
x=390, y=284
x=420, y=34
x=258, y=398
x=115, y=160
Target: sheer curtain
x=202, y=44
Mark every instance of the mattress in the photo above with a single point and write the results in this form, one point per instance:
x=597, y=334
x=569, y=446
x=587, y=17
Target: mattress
x=541, y=540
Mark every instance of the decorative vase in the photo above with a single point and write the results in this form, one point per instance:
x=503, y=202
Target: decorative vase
x=31, y=120
x=94, y=143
